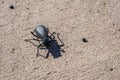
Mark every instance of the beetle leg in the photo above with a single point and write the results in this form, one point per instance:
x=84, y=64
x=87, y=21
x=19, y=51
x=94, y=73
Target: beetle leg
x=47, y=54
x=62, y=50
x=39, y=47
x=37, y=52
x=62, y=44
x=28, y=40
x=52, y=34
x=31, y=39
x=34, y=34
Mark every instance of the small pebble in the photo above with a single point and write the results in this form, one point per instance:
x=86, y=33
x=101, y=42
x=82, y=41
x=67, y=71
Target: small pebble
x=11, y=7
x=111, y=69
x=84, y=40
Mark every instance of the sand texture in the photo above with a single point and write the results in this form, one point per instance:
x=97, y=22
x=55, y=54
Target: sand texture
x=90, y=30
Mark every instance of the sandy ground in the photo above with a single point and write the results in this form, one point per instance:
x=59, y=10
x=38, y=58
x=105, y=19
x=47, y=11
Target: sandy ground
x=96, y=20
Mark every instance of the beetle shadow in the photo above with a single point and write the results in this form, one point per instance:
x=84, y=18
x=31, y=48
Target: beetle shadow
x=54, y=49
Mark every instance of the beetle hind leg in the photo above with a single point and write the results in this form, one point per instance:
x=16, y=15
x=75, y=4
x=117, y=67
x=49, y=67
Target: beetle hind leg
x=47, y=55
x=41, y=46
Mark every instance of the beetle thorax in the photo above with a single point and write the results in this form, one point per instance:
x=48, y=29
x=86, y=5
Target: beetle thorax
x=46, y=40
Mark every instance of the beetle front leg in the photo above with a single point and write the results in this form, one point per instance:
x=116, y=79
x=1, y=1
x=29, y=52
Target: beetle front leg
x=34, y=34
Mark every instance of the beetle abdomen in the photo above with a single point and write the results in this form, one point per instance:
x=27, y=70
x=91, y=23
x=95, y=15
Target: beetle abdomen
x=41, y=31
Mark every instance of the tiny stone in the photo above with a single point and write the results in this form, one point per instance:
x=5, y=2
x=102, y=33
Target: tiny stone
x=11, y=7
x=111, y=69
x=84, y=40
x=113, y=24
x=13, y=50
x=27, y=8
x=2, y=1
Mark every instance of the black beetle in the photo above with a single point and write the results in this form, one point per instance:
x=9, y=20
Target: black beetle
x=48, y=42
